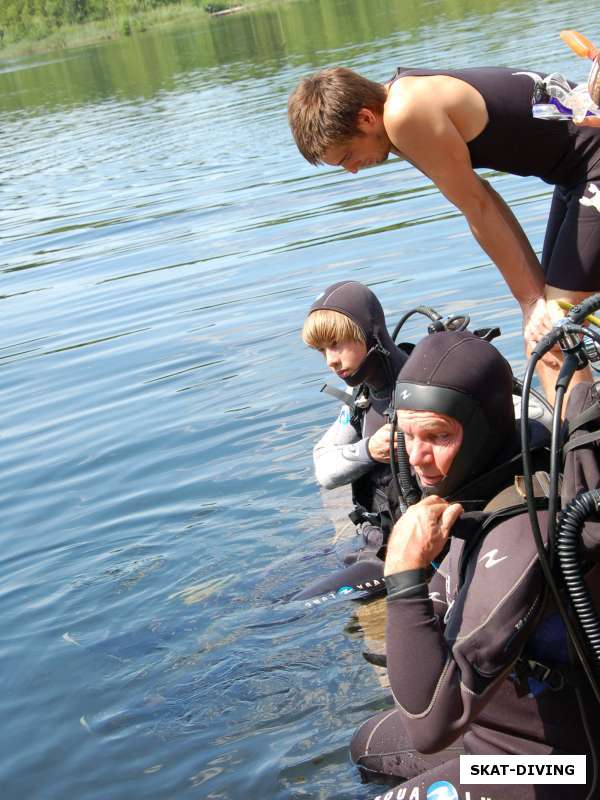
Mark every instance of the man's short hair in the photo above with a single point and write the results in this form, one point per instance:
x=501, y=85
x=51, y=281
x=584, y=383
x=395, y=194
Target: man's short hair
x=323, y=109
x=324, y=327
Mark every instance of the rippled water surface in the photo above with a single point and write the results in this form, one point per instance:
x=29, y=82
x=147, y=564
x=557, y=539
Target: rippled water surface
x=161, y=242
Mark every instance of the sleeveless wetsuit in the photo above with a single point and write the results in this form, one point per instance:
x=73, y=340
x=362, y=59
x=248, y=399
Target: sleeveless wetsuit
x=560, y=153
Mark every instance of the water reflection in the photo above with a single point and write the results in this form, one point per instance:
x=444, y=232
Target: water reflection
x=259, y=43
x=161, y=243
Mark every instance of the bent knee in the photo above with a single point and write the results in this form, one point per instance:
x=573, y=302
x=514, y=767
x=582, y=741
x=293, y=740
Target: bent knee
x=360, y=741
x=380, y=747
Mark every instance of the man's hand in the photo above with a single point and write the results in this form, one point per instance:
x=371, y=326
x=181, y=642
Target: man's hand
x=537, y=322
x=379, y=444
x=420, y=534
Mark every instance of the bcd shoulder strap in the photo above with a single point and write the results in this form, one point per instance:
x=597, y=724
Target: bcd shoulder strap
x=358, y=402
x=581, y=449
x=580, y=424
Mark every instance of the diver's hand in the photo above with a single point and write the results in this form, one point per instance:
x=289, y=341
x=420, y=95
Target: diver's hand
x=379, y=444
x=420, y=534
x=537, y=322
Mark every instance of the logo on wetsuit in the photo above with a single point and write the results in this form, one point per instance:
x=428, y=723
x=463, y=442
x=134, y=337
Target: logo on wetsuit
x=533, y=75
x=344, y=417
x=490, y=559
x=440, y=790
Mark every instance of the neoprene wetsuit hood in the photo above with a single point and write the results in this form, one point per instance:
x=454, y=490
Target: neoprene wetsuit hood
x=464, y=377
x=356, y=301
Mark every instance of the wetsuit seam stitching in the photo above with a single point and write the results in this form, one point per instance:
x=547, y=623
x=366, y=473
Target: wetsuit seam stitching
x=434, y=697
x=381, y=721
x=502, y=602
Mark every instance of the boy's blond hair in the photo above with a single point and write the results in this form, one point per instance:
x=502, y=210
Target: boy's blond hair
x=324, y=327
x=323, y=109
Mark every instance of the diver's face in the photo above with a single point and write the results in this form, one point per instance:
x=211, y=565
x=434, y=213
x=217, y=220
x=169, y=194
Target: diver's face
x=345, y=357
x=370, y=145
x=432, y=443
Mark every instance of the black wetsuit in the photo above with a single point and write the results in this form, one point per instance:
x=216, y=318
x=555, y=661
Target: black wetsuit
x=560, y=153
x=344, y=461
x=479, y=673
x=459, y=677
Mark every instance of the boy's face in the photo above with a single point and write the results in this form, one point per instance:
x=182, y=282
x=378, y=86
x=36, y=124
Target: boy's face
x=357, y=153
x=370, y=146
x=344, y=358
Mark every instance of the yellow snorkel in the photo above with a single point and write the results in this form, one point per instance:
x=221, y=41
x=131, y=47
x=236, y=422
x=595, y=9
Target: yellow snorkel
x=585, y=49
x=566, y=306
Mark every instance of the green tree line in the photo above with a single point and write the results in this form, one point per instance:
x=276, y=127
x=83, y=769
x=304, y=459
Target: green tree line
x=35, y=19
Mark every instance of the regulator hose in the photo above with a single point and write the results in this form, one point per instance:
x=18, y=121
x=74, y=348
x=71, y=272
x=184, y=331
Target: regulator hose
x=568, y=536
x=453, y=322
x=426, y=311
x=402, y=478
x=407, y=480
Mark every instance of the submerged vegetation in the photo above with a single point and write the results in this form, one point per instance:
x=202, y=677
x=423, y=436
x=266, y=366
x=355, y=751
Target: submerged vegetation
x=28, y=26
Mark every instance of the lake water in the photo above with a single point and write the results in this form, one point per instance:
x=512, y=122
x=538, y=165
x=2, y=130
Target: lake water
x=161, y=242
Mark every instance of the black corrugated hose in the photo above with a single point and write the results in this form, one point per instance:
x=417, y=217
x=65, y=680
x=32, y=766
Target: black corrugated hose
x=568, y=536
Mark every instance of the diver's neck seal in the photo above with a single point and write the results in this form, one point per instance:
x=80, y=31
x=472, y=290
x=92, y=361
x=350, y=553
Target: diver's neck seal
x=375, y=369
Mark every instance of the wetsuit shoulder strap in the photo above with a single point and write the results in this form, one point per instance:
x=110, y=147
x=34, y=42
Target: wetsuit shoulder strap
x=358, y=403
x=347, y=399
x=359, y=399
x=514, y=496
x=506, y=474
x=473, y=526
x=590, y=414
x=580, y=423
x=581, y=441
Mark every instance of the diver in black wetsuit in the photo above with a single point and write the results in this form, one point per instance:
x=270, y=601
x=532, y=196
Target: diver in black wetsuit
x=496, y=670
x=347, y=325
x=450, y=122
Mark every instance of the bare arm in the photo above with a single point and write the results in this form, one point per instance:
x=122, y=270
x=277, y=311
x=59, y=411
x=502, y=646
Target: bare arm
x=422, y=124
